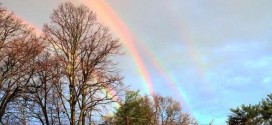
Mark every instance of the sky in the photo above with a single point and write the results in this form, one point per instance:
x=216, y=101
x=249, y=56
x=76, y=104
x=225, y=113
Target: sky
x=211, y=55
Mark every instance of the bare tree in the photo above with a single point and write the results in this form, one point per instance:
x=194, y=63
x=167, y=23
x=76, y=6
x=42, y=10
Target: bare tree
x=10, y=28
x=43, y=104
x=18, y=49
x=158, y=110
x=167, y=111
x=84, y=49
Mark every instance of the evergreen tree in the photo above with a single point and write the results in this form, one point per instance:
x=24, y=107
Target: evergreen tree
x=259, y=114
x=244, y=115
x=266, y=110
x=133, y=111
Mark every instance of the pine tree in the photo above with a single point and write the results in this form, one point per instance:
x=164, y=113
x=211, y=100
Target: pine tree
x=259, y=114
x=133, y=111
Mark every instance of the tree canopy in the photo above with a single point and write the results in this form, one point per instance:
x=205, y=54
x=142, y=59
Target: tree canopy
x=144, y=110
x=259, y=114
x=62, y=76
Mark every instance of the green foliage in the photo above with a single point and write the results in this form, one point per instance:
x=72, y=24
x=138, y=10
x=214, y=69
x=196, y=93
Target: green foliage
x=135, y=110
x=252, y=114
x=266, y=110
x=143, y=110
x=244, y=115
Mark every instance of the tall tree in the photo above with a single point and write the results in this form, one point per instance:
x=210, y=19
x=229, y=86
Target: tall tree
x=84, y=48
x=44, y=103
x=18, y=49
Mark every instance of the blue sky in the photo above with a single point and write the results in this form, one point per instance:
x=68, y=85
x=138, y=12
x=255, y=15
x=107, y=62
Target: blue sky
x=217, y=51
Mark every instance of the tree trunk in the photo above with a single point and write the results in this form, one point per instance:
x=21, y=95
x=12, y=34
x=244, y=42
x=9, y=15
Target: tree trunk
x=72, y=105
x=127, y=122
x=83, y=108
x=5, y=102
x=73, y=99
x=45, y=115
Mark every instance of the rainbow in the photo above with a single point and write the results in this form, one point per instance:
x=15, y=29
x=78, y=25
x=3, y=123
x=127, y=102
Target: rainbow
x=106, y=14
x=170, y=80
x=110, y=93
x=107, y=91
x=104, y=10
x=37, y=30
x=196, y=58
x=117, y=26
x=195, y=53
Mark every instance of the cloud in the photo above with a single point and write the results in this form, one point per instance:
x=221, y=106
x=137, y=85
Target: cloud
x=219, y=52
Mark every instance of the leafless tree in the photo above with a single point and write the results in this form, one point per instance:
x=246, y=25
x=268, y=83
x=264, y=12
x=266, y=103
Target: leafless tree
x=167, y=111
x=44, y=103
x=84, y=48
x=18, y=49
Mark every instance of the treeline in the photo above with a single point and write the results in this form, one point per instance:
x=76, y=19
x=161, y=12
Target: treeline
x=66, y=74
x=259, y=114
x=143, y=110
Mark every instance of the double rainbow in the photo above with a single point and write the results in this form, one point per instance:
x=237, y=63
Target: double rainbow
x=108, y=16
